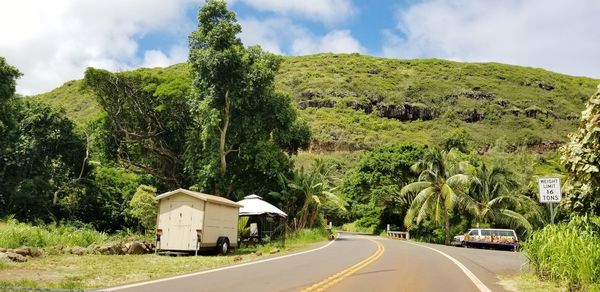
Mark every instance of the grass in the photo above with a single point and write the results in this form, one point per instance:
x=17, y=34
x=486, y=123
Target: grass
x=354, y=227
x=14, y=234
x=567, y=253
x=94, y=271
x=527, y=282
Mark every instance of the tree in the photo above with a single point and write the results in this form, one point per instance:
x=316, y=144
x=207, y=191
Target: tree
x=243, y=123
x=40, y=154
x=143, y=206
x=372, y=183
x=146, y=120
x=582, y=161
x=437, y=190
x=8, y=80
x=492, y=198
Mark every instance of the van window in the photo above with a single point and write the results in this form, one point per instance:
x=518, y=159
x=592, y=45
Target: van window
x=486, y=233
x=474, y=232
x=505, y=233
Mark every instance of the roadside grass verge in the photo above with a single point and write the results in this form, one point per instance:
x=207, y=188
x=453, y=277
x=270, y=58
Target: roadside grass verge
x=527, y=282
x=14, y=234
x=95, y=271
x=567, y=254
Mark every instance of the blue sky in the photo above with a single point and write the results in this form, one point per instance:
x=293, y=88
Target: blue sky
x=53, y=41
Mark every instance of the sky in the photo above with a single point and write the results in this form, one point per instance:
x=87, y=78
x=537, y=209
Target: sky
x=53, y=41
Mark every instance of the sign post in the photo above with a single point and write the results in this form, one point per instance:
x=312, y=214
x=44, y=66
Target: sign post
x=549, y=188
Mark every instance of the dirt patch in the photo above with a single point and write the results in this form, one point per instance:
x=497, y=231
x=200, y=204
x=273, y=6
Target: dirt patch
x=37, y=275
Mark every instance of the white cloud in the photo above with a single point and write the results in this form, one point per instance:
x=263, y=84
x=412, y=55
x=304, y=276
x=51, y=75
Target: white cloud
x=282, y=36
x=336, y=41
x=557, y=35
x=156, y=58
x=327, y=11
x=54, y=41
x=268, y=33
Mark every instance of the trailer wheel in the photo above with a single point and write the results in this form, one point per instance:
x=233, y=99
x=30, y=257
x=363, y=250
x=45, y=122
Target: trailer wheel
x=223, y=245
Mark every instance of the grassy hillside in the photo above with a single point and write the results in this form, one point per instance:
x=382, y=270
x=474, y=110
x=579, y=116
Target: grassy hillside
x=355, y=102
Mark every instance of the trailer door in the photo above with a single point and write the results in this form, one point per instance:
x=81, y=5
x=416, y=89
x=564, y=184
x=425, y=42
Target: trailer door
x=180, y=226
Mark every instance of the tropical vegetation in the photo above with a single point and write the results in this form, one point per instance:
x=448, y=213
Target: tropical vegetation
x=438, y=189
x=431, y=146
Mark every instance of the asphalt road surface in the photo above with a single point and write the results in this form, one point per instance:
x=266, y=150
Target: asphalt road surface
x=355, y=263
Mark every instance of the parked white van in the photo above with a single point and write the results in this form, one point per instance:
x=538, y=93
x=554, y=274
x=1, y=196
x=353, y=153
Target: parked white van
x=488, y=237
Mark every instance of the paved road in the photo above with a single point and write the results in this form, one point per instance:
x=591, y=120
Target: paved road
x=383, y=265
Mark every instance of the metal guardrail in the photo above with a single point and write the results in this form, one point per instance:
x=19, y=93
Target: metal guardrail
x=398, y=235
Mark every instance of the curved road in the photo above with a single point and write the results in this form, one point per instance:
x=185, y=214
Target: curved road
x=354, y=263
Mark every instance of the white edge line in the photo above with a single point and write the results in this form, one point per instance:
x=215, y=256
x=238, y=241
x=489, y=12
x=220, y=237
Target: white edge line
x=213, y=270
x=482, y=287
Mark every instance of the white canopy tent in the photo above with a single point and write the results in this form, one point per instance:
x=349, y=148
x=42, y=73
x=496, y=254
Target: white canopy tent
x=254, y=205
x=260, y=221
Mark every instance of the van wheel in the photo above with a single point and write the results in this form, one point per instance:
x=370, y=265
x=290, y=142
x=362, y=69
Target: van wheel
x=223, y=246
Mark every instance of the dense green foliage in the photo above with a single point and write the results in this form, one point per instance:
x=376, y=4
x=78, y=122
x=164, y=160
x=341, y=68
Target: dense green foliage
x=39, y=154
x=243, y=123
x=582, y=159
x=102, y=198
x=371, y=185
x=568, y=253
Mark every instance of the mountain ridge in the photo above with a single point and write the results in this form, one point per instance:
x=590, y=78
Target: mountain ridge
x=355, y=102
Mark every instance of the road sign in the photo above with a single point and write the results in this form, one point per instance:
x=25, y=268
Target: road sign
x=549, y=188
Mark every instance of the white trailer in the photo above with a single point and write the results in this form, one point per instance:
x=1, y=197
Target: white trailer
x=191, y=221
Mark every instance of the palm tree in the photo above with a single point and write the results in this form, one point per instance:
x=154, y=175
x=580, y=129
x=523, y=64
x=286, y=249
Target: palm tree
x=492, y=199
x=313, y=187
x=438, y=189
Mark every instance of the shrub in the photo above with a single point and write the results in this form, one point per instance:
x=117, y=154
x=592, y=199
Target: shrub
x=567, y=253
x=143, y=206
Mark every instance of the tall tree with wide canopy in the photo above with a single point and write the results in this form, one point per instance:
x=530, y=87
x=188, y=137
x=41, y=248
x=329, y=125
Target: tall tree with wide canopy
x=244, y=125
x=145, y=122
x=437, y=190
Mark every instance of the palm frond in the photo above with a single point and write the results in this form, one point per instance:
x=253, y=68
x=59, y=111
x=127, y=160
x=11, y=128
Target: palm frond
x=517, y=219
x=459, y=180
x=413, y=188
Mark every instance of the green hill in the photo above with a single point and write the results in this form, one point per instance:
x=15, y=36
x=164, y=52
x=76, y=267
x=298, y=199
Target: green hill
x=355, y=102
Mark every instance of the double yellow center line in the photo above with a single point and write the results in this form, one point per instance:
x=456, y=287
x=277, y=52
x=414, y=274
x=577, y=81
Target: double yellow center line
x=323, y=285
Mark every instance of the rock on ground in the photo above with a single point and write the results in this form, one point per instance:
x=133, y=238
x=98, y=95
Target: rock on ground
x=22, y=251
x=15, y=257
x=4, y=257
x=78, y=251
x=137, y=248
